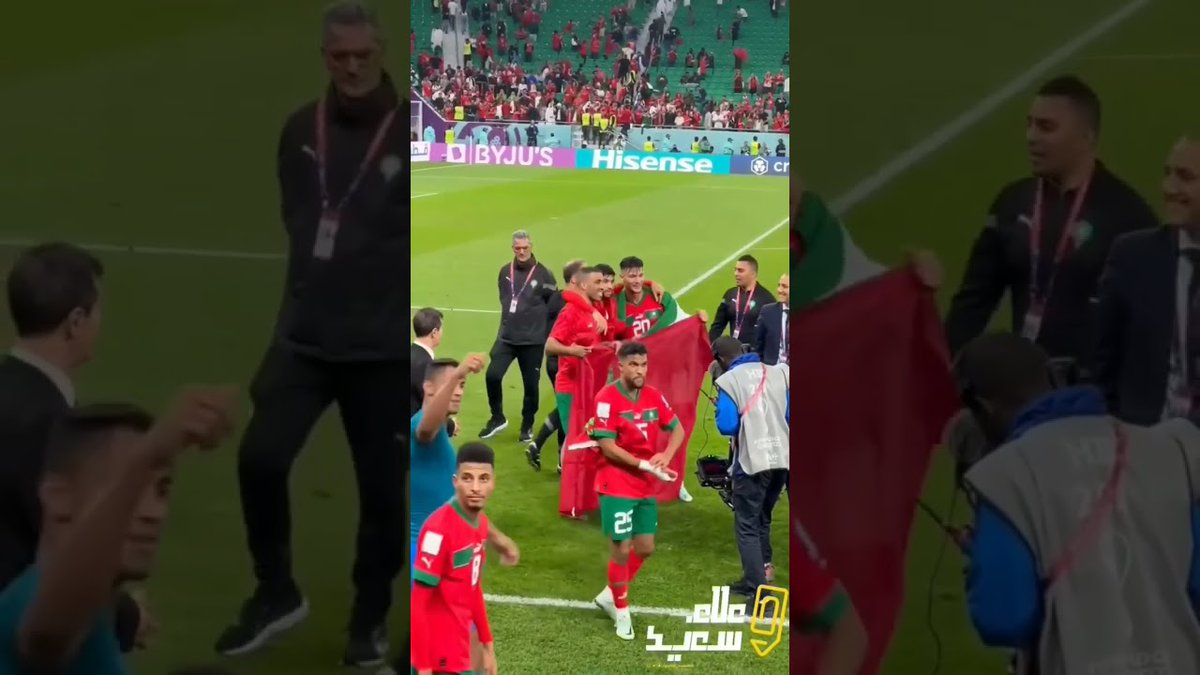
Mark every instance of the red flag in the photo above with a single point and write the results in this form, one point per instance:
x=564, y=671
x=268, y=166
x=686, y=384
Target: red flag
x=873, y=392
x=679, y=358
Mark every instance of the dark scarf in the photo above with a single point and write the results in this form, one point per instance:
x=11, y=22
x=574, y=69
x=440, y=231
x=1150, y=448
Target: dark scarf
x=524, y=266
x=366, y=110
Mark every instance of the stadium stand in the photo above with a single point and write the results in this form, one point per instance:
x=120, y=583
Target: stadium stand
x=673, y=97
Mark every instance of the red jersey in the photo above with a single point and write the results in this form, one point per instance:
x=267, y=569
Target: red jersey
x=634, y=420
x=447, y=597
x=643, y=315
x=616, y=329
x=573, y=327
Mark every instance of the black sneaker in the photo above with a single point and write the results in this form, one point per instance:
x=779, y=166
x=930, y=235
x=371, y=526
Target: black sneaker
x=366, y=650
x=526, y=435
x=534, y=454
x=493, y=427
x=743, y=588
x=265, y=615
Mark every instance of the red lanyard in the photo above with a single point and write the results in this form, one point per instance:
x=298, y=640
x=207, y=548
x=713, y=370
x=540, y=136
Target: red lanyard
x=1100, y=514
x=1035, y=239
x=512, y=280
x=322, y=153
x=739, y=316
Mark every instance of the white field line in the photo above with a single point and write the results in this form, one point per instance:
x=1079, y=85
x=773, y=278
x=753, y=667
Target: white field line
x=983, y=109
x=869, y=186
x=456, y=309
x=864, y=190
x=560, y=603
x=426, y=194
x=1144, y=57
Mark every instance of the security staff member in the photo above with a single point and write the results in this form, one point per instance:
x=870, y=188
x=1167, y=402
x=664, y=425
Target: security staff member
x=1047, y=236
x=741, y=304
x=526, y=287
x=752, y=409
x=1079, y=509
x=340, y=336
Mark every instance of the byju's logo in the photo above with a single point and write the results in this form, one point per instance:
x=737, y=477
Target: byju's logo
x=759, y=166
x=457, y=154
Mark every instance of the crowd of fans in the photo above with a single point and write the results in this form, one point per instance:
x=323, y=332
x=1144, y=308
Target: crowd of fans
x=505, y=77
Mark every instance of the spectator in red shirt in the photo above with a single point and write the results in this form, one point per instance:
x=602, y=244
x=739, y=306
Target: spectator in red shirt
x=556, y=42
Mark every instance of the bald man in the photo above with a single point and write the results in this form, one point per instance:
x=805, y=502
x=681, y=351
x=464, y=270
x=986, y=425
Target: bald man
x=1146, y=356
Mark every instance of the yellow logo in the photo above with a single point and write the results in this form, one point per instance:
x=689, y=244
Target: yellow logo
x=768, y=620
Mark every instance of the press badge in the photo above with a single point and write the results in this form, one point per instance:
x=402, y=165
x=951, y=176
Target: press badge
x=736, y=332
x=512, y=306
x=327, y=231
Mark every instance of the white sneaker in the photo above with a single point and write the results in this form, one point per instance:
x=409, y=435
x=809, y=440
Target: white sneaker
x=684, y=495
x=624, y=623
x=605, y=602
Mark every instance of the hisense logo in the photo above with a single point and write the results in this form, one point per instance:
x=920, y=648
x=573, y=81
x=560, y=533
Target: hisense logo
x=617, y=160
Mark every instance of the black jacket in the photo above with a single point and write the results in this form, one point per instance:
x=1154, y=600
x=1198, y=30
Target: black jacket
x=30, y=406
x=768, y=334
x=351, y=306
x=528, y=325
x=1131, y=354
x=1000, y=261
x=554, y=307
x=734, y=307
x=418, y=361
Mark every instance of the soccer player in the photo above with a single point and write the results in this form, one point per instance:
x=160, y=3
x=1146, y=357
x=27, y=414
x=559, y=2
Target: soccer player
x=629, y=417
x=447, y=596
x=646, y=312
x=432, y=455
x=576, y=332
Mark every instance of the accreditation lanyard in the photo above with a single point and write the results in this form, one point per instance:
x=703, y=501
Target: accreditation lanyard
x=512, y=285
x=322, y=153
x=739, y=314
x=1101, y=513
x=1037, y=300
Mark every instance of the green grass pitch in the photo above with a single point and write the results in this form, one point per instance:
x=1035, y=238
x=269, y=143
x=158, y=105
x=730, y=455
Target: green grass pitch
x=682, y=226
x=897, y=74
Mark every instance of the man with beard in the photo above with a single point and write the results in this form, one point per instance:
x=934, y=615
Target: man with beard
x=1047, y=235
x=576, y=332
x=340, y=336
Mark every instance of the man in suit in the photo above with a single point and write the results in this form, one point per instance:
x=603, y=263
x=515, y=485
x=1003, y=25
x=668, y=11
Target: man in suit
x=1048, y=234
x=54, y=302
x=427, y=335
x=771, y=332
x=1146, y=356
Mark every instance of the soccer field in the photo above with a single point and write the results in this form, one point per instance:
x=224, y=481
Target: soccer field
x=922, y=169
x=688, y=229
x=154, y=125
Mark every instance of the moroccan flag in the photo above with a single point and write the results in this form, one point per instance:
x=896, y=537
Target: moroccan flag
x=679, y=358
x=873, y=393
x=824, y=258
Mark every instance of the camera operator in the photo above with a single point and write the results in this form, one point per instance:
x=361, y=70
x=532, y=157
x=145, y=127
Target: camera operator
x=1086, y=534
x=752, y=409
